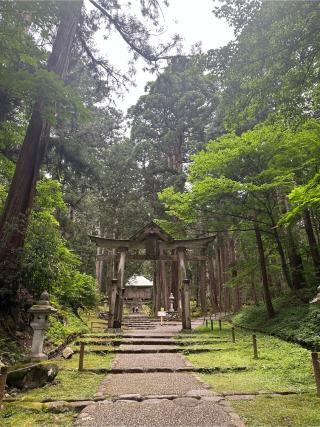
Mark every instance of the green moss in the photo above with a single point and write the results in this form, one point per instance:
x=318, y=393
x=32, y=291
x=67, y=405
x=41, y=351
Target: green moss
x=295, y=410
x=14, y=416
x=91, y=360
x=68, y=385
x=281, y=366
x=101, y=348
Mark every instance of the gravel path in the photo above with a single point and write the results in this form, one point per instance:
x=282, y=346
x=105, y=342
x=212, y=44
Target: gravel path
x=151, y=383
x=156, y=399
x=157, y=414
x=163, y=360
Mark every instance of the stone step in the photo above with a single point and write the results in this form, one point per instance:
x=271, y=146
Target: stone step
x=148, y=342
x=140, y=370
x=136, y=325
x=145, y=336
x=148, y=328
x=149, y=351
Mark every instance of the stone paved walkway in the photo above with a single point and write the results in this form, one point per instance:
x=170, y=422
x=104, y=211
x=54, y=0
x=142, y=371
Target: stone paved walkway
x=156, y=399
x=166, y=360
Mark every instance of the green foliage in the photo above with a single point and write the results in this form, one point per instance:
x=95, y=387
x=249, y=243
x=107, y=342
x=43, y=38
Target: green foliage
x=11, y=352
x=273, y=64
x=294, y=321
x=63, y=325
x=48, y=264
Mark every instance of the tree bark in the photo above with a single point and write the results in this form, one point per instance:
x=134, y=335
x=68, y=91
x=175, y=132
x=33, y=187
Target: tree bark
x=264, y=274
x=284, y=265
x=314, y=250
x=295, y=261
x=19, y=202
x=22, y=190
x=202, y=282
x=212, y=284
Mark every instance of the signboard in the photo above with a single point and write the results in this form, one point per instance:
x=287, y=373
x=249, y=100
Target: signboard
x=162, y=313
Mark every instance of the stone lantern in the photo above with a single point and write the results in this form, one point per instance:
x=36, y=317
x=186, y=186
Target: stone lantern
x=171, y=300
x=39, y=325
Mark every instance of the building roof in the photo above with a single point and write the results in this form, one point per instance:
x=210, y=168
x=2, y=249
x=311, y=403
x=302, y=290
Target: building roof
x=151, y=230
x=139, y=281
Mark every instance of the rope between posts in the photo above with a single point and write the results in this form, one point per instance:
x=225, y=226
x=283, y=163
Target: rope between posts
x=22, y=369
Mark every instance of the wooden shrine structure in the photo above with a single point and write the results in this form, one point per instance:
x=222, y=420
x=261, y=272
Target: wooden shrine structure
x=150, y=243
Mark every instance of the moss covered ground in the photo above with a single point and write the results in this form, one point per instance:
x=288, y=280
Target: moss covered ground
x=294, y=321
x=14, y=416
x=68, y=385
x=281, y=367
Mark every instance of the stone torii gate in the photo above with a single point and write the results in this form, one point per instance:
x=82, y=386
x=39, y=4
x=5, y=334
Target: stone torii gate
x=155, y=242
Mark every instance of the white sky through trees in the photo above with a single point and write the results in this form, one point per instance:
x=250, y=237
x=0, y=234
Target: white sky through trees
x=193, y=20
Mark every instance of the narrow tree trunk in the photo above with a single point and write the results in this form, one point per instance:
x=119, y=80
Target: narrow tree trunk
x=212, y=284
x=254, y=292
x=284, y=265
x=264, y=274
x=295, y=259
x=202, y=282
x=296, y=264
x=314, y=250
x=219, y=278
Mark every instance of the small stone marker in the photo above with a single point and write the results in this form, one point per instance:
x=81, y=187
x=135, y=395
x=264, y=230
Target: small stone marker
x=67, y=353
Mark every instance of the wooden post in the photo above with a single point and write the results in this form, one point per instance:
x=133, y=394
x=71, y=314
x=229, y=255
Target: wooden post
x=81, y=356
x=316, y=370
x=233, y=335
x=211, y=321
x=185, y=302
x=206, y=323
x=3, y=380
x=220, y=325
x=255, y=347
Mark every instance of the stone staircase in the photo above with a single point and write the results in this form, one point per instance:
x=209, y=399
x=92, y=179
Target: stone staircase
x=139, y=321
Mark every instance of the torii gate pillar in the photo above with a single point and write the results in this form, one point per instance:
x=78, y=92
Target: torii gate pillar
x=184, y=289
